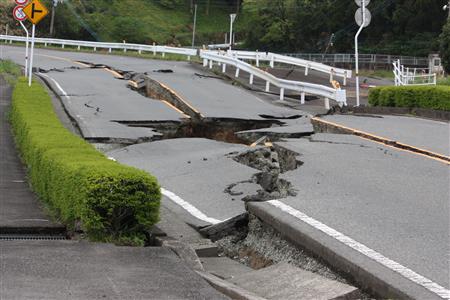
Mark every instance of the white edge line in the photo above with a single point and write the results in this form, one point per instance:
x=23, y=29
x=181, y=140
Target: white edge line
x=189, y=207
x=57, y=85
x=394, y=266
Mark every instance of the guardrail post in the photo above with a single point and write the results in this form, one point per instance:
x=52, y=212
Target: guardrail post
x=302, y=98
x=95, y=49
x=251, y=78
x=163, y=54
x=257, y=58
x=267, y=86
x=237, y=73
x=154, y=48
x=345, y=78
x=306, y=70
x=224, y=68
x=62, y=46
x=282, y=94
x=272, y=61
x=110, y=50
x=211, y=64
x=205, y=62
x=189, y=57
x=140, y=51
x=327, y=103
x=45, y=44
x=331, y=75
x=79, y=47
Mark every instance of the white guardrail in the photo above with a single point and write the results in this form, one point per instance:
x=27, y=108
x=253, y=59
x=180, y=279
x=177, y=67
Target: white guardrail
x=339, y=95
x=110, y=46
x=407, y=76
x=283, y=59
x=224, y=59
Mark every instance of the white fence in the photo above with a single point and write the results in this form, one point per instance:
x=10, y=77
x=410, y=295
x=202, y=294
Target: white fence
x=283, y=59
x=109, y=46
x=412, y=76
x=209, y=57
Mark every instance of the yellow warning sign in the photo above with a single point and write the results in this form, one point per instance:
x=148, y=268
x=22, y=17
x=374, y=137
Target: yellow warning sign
x=35, y=11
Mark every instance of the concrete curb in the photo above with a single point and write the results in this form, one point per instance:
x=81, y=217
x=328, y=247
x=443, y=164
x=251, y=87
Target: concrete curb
x=228, y=289
x=368, y=274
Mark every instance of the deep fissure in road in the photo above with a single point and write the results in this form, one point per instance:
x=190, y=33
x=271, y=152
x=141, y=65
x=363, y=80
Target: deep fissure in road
x=219, y=129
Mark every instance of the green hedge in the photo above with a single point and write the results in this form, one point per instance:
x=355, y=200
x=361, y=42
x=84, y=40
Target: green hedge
x=432, y=97
x=112, y=202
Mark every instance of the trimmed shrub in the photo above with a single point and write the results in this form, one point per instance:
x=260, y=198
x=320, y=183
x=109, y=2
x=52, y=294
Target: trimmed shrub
x=432, y=97
x=110, y=201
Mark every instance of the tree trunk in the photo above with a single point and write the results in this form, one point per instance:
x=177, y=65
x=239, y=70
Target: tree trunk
x=208, y=3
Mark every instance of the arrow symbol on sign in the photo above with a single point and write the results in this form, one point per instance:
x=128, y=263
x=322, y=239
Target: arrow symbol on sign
x=33, y=10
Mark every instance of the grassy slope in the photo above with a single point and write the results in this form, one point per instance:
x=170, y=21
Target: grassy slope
x=166, y=25
x=160, y=24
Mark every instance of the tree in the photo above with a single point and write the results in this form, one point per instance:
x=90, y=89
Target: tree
x=444, y=39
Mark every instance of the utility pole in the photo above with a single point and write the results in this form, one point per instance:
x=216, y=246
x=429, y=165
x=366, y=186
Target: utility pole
x=195, y=25
x=52, y=22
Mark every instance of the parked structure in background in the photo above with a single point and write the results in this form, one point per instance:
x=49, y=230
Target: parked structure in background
x=435, y=64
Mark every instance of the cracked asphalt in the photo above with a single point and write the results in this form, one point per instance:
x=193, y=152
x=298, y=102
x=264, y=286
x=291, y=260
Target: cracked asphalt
x=395, y=202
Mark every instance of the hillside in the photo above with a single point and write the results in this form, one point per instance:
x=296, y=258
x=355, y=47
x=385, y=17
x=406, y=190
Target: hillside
x=139, y=21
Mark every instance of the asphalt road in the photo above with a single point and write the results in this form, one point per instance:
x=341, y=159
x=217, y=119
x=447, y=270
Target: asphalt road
x=430, y=135
x=392, y=201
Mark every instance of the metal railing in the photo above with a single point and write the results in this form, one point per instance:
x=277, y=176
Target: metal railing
x=283, y=59
x=109, y=46
x=380, y=59
x=224, y=59
x=209, y=57
x=411, y=76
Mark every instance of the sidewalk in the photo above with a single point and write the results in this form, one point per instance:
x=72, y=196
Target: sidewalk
x=20, y=210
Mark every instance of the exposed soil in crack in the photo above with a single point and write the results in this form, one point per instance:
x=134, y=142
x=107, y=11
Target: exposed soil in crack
x=271, y=161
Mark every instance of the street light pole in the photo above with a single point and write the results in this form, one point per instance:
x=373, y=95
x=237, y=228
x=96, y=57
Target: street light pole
x=232, y=18
x=357, y=53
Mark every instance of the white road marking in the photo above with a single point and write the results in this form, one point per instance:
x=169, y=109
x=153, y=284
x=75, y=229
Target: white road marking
x=189, y=207
x=394, y=266
x=57, y=85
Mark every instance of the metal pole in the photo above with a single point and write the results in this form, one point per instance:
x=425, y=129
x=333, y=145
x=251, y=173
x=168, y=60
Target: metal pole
x=195, y=25
x=232, y=17
x=231, y=31
x=356, y=51
x=26, y=48
x=52, y=22
x=30, y=70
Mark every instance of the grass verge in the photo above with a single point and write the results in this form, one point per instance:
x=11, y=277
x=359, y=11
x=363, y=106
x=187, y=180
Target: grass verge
x=10, y=71
x=109, y=201
x=431, y=97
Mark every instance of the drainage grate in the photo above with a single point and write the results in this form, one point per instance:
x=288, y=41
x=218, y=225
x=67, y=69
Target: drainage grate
x=27, y=237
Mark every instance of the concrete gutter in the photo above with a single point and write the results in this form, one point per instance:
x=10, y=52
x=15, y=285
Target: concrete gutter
x=368, y=274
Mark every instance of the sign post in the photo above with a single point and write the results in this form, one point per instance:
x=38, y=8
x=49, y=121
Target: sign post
x=35, y=12
x=362, y=18
x=20, y=16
